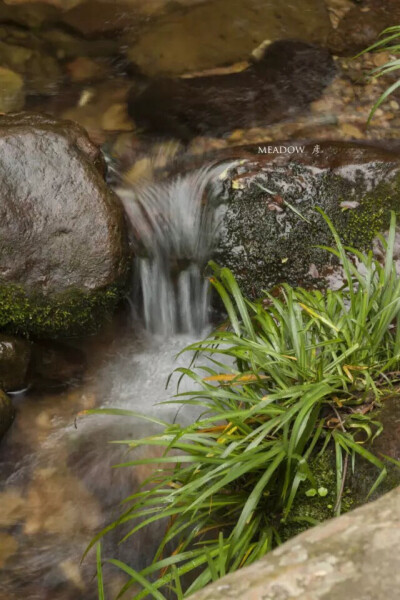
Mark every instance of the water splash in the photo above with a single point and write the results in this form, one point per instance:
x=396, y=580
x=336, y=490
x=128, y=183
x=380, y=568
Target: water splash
x=175, y=228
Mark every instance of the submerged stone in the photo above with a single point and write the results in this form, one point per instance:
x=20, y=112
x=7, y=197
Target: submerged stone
x=15, y=356
x=288, y=77
x=12, y=96
x=63, y=246
x=210, y=34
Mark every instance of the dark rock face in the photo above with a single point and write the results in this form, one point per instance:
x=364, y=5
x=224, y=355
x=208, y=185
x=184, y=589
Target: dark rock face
x=290, y=76
x=269, y=236
x=361, y=26
x=56, y=365
x=63, y=250
x=386, y=444
x=15, y=356
x=6, y=413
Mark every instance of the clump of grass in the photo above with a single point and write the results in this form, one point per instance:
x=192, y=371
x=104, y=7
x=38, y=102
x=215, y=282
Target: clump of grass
x=287, y=377
x=389, y=42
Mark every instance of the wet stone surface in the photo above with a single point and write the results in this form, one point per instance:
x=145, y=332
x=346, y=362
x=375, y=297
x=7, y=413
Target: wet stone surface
x=75, y=257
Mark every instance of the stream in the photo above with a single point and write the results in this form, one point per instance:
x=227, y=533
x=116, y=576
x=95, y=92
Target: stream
x=58, y=487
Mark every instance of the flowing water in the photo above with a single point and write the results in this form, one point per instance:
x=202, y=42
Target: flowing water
x=57, y=487
x=175, y=228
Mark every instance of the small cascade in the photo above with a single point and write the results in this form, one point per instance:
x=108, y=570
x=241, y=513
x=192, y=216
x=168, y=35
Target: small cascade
x=175, y=229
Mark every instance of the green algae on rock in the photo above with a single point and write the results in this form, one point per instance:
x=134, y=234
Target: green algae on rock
x=270, y=229
x=63, y=246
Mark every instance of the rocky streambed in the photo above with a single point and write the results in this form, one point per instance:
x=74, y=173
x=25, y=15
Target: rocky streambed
x=71, y=306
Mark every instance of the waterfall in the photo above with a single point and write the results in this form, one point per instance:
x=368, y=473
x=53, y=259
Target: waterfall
x=175, y=228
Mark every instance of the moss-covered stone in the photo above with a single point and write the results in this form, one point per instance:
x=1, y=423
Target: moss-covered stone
x=64, y=255
x=272, y=235
x=73, y=313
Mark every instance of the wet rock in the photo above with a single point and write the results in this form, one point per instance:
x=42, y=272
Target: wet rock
x=32, y=14
x=289, y=76
x=386, y=444
x=12, y=96
x=84, y=69
x=26, y=54
x=69, y=44
x=99, y=105
x=64, y=4
x=55, y=501
x=268, y=236
x=63, y=252
x=56, y=365
x=7, y=413
x=362, y=25
x=8, y=547
x=352, y=557
x=15, y=356
x=222, y=32
x=12, y=508
x=116, y=119
x=93, y=18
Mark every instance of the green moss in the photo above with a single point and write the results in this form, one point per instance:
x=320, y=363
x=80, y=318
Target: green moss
x=317, y=508
x=372, y=216
x=264, y=247
x=69, y=314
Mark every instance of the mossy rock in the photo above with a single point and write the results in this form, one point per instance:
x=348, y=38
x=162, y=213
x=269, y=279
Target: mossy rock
x=64, y=256
x=272, y=235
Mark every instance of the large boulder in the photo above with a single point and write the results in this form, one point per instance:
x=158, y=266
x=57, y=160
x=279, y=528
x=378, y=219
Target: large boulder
x=354, y=557
x=6, y=413
x=269, y=234
x=63, y=248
